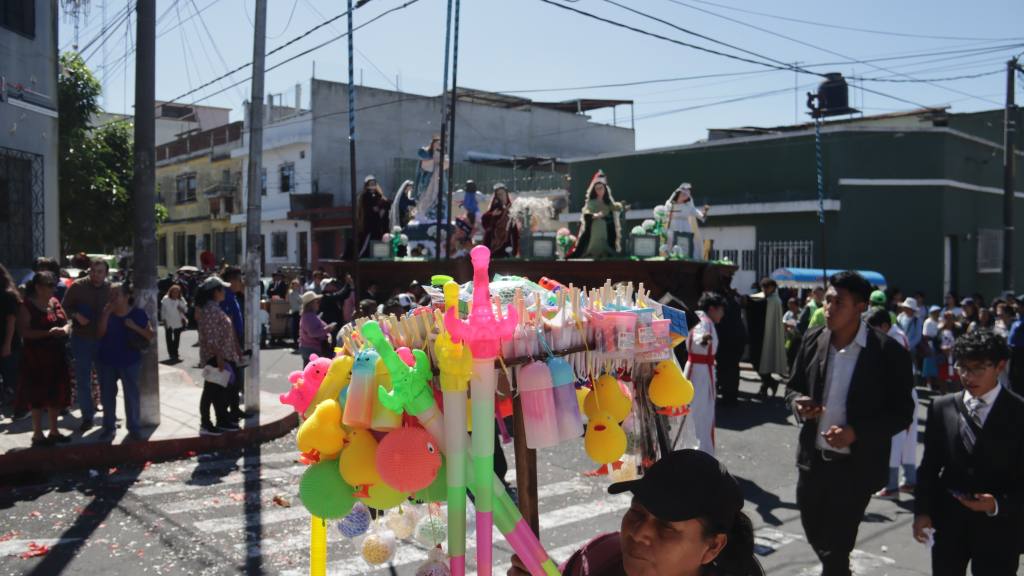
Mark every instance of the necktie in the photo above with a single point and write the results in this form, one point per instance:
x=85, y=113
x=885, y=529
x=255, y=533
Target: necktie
x=966, y=432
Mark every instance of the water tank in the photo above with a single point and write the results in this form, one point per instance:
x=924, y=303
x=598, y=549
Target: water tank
x=832, y=98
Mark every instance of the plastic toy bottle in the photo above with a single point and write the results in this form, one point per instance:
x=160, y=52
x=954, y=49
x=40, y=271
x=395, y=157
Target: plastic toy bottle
x=362, y=390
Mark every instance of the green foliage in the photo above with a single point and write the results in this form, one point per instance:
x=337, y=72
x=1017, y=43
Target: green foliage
x=95, y=170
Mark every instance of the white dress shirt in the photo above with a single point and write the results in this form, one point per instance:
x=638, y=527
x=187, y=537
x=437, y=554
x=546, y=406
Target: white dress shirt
x=839, y=372
x=988, y=398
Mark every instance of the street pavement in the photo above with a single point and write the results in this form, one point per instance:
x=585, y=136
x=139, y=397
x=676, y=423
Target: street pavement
x=228, y=512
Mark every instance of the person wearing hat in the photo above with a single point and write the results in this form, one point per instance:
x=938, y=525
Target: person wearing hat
x=600, y=231
x=685, y=519
x=683, y=216
x=850, y=388
x=218, y=347
x=929, y=360
x=278, y=286
x=372, y=213
x=501, y=231
x=313, y=332
x=909, y=321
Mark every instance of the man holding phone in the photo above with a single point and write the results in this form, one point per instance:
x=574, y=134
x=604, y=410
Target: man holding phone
x=850, y=388
x=970, y=486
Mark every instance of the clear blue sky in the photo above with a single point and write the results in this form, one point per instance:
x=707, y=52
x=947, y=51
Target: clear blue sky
x=511, y=45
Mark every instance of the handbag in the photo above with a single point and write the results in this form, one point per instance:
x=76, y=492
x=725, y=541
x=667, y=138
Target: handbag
x=217, y=376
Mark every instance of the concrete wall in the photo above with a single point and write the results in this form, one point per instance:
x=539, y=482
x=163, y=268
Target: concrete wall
x=395, y=125
x=288, y=140
x=32, y=127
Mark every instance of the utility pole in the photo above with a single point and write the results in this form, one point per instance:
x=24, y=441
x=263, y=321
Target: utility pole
x=356, y=228
x=455, y=99
x=441, y=188
x=1009, y=139
x=144, y=201
x=254, y=212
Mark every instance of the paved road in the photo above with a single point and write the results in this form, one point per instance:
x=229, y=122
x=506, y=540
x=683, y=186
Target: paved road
x=214, y=513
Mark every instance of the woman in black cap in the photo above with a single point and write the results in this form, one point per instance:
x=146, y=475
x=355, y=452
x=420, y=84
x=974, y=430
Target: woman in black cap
x=685, y=520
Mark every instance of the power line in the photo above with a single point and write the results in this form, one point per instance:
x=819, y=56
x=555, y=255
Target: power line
x=295, y=4
x=930, y=80
x=808, y=44
x=634, y=83
x=850, y=28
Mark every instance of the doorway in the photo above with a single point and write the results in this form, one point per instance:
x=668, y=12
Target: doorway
x=304, y=250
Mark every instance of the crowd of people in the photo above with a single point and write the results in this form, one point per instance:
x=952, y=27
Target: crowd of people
x=69, y=342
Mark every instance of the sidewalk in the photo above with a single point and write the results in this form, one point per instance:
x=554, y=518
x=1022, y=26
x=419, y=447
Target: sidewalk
x=176, y=436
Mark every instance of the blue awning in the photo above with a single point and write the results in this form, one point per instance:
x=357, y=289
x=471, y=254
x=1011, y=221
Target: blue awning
x=811, y=277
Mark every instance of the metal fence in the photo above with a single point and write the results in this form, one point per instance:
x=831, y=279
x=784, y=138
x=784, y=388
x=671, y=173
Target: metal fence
x=774, y=254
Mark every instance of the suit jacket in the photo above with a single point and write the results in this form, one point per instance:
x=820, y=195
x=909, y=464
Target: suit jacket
x=878, y=405
x=996, y=466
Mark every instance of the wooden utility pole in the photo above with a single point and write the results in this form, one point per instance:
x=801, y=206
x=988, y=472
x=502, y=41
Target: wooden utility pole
x=254, y=213
x=1009, y=140
x=144, y=201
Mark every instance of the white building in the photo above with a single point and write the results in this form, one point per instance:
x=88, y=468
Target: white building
x=287, y=166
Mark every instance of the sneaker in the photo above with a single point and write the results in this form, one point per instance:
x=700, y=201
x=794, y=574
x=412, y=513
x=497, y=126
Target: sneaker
x=41, y=441
x=229, y=426
x=907, y=488
x=887, y=494
x=85, y=427
x=59, y=438
x=209, y=430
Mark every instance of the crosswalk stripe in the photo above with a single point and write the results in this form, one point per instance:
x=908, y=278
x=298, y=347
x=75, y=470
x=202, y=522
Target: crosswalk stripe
x=861, y=562
x=263, y=518
x=232, y=478
x=199, y=504
x=15, y=547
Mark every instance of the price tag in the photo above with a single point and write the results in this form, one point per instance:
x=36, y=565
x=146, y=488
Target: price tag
x=645, y=334
x=626, y=340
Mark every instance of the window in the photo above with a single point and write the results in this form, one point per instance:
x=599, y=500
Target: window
x=179, y=249
x=990, y=250
x=161, y=250
x=263, y=182
x=287, y=177
x=19, y=16
x=190, y=245
x=186, y=189
x=278, y=244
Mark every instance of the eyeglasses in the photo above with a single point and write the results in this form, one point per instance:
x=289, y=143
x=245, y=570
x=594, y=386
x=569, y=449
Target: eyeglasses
x=972, y=371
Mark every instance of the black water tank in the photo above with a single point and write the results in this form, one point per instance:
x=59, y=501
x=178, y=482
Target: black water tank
x=832, y=98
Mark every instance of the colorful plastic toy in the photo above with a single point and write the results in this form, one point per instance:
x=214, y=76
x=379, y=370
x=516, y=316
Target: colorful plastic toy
x=324, y=493
x=339, y=374
x=670, y=390
x=358, y=461
x=361, y=392
x=604, y=441
x=608, y=396
x=305, y=383
x=321, y=436
x=408, y=459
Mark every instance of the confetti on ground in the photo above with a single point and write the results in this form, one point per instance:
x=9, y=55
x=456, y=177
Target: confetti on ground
x=35, y=513
x=237, y=497
x=282, y=501
x=34, y=550
x=8, y=536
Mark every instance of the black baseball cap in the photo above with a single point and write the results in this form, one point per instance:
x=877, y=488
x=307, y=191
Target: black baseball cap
x=684, y=485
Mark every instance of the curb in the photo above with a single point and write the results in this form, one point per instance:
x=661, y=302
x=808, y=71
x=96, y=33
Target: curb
x=103, y=455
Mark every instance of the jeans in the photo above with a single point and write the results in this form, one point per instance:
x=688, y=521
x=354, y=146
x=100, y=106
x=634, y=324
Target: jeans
x=83, y=354
x=129, y=377
x=173, y=337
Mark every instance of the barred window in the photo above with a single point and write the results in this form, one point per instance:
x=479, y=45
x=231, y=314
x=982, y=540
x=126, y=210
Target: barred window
x=990, y=250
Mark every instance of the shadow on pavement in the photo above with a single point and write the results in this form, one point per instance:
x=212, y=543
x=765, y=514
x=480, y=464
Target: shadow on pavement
x=766, y=503
x=749, y=413
x=253, y=510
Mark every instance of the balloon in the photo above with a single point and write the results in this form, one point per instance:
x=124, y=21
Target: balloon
x=408, y=459
x=356, y=523
x=438, y=489
x=383, y=497
x=324, y=493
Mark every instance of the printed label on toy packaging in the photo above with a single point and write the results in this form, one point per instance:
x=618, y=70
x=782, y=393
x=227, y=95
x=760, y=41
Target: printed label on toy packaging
x=626, y=340
x=645, y=334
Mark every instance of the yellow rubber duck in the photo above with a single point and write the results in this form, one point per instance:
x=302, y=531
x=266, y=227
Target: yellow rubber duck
x=604, y=441
x=608, y=397
x=339, y=374
x=321, y=436
x=358, y=461
x=670, y=390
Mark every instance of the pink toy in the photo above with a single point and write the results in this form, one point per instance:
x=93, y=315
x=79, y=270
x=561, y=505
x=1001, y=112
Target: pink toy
x=306, y=383
x=482, y=331
x=408, y=459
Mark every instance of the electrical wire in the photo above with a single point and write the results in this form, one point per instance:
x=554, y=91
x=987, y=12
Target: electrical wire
x=850, y=28
x=634, y=83
x=287, y=24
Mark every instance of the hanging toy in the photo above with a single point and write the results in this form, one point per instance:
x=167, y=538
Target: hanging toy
x=337, y=378
x=402, y=521
x=438, y=489
x=384, y=419
x=306, y=383
x=670, y=390
x=434, y=565
x=604, y=441
x=431, y=530
x=324, y=493
x=378, y=548
x=359, y=403
x=356, y=523
x=408, y=459
x=608, y=396
x=358, y=461
x=321, y=436
x=540, y=420
x=383, y=497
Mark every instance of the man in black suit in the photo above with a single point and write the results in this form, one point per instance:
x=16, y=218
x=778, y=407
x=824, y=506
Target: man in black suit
x=970, y=484
x=850, y=387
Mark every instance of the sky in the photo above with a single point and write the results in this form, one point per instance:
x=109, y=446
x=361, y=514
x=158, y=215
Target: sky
x=529, y=47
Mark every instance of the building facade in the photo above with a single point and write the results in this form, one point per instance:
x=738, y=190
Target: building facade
x=915, y=196
x=29, y=197
x=198, y=180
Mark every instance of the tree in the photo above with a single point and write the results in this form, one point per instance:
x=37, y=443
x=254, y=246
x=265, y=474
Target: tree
x=95, y=170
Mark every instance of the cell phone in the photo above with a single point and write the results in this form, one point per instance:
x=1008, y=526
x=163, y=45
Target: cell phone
x=962, y=495
x=808, y=403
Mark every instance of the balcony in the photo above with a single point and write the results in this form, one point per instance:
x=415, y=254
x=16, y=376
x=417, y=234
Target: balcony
x=222, y=189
